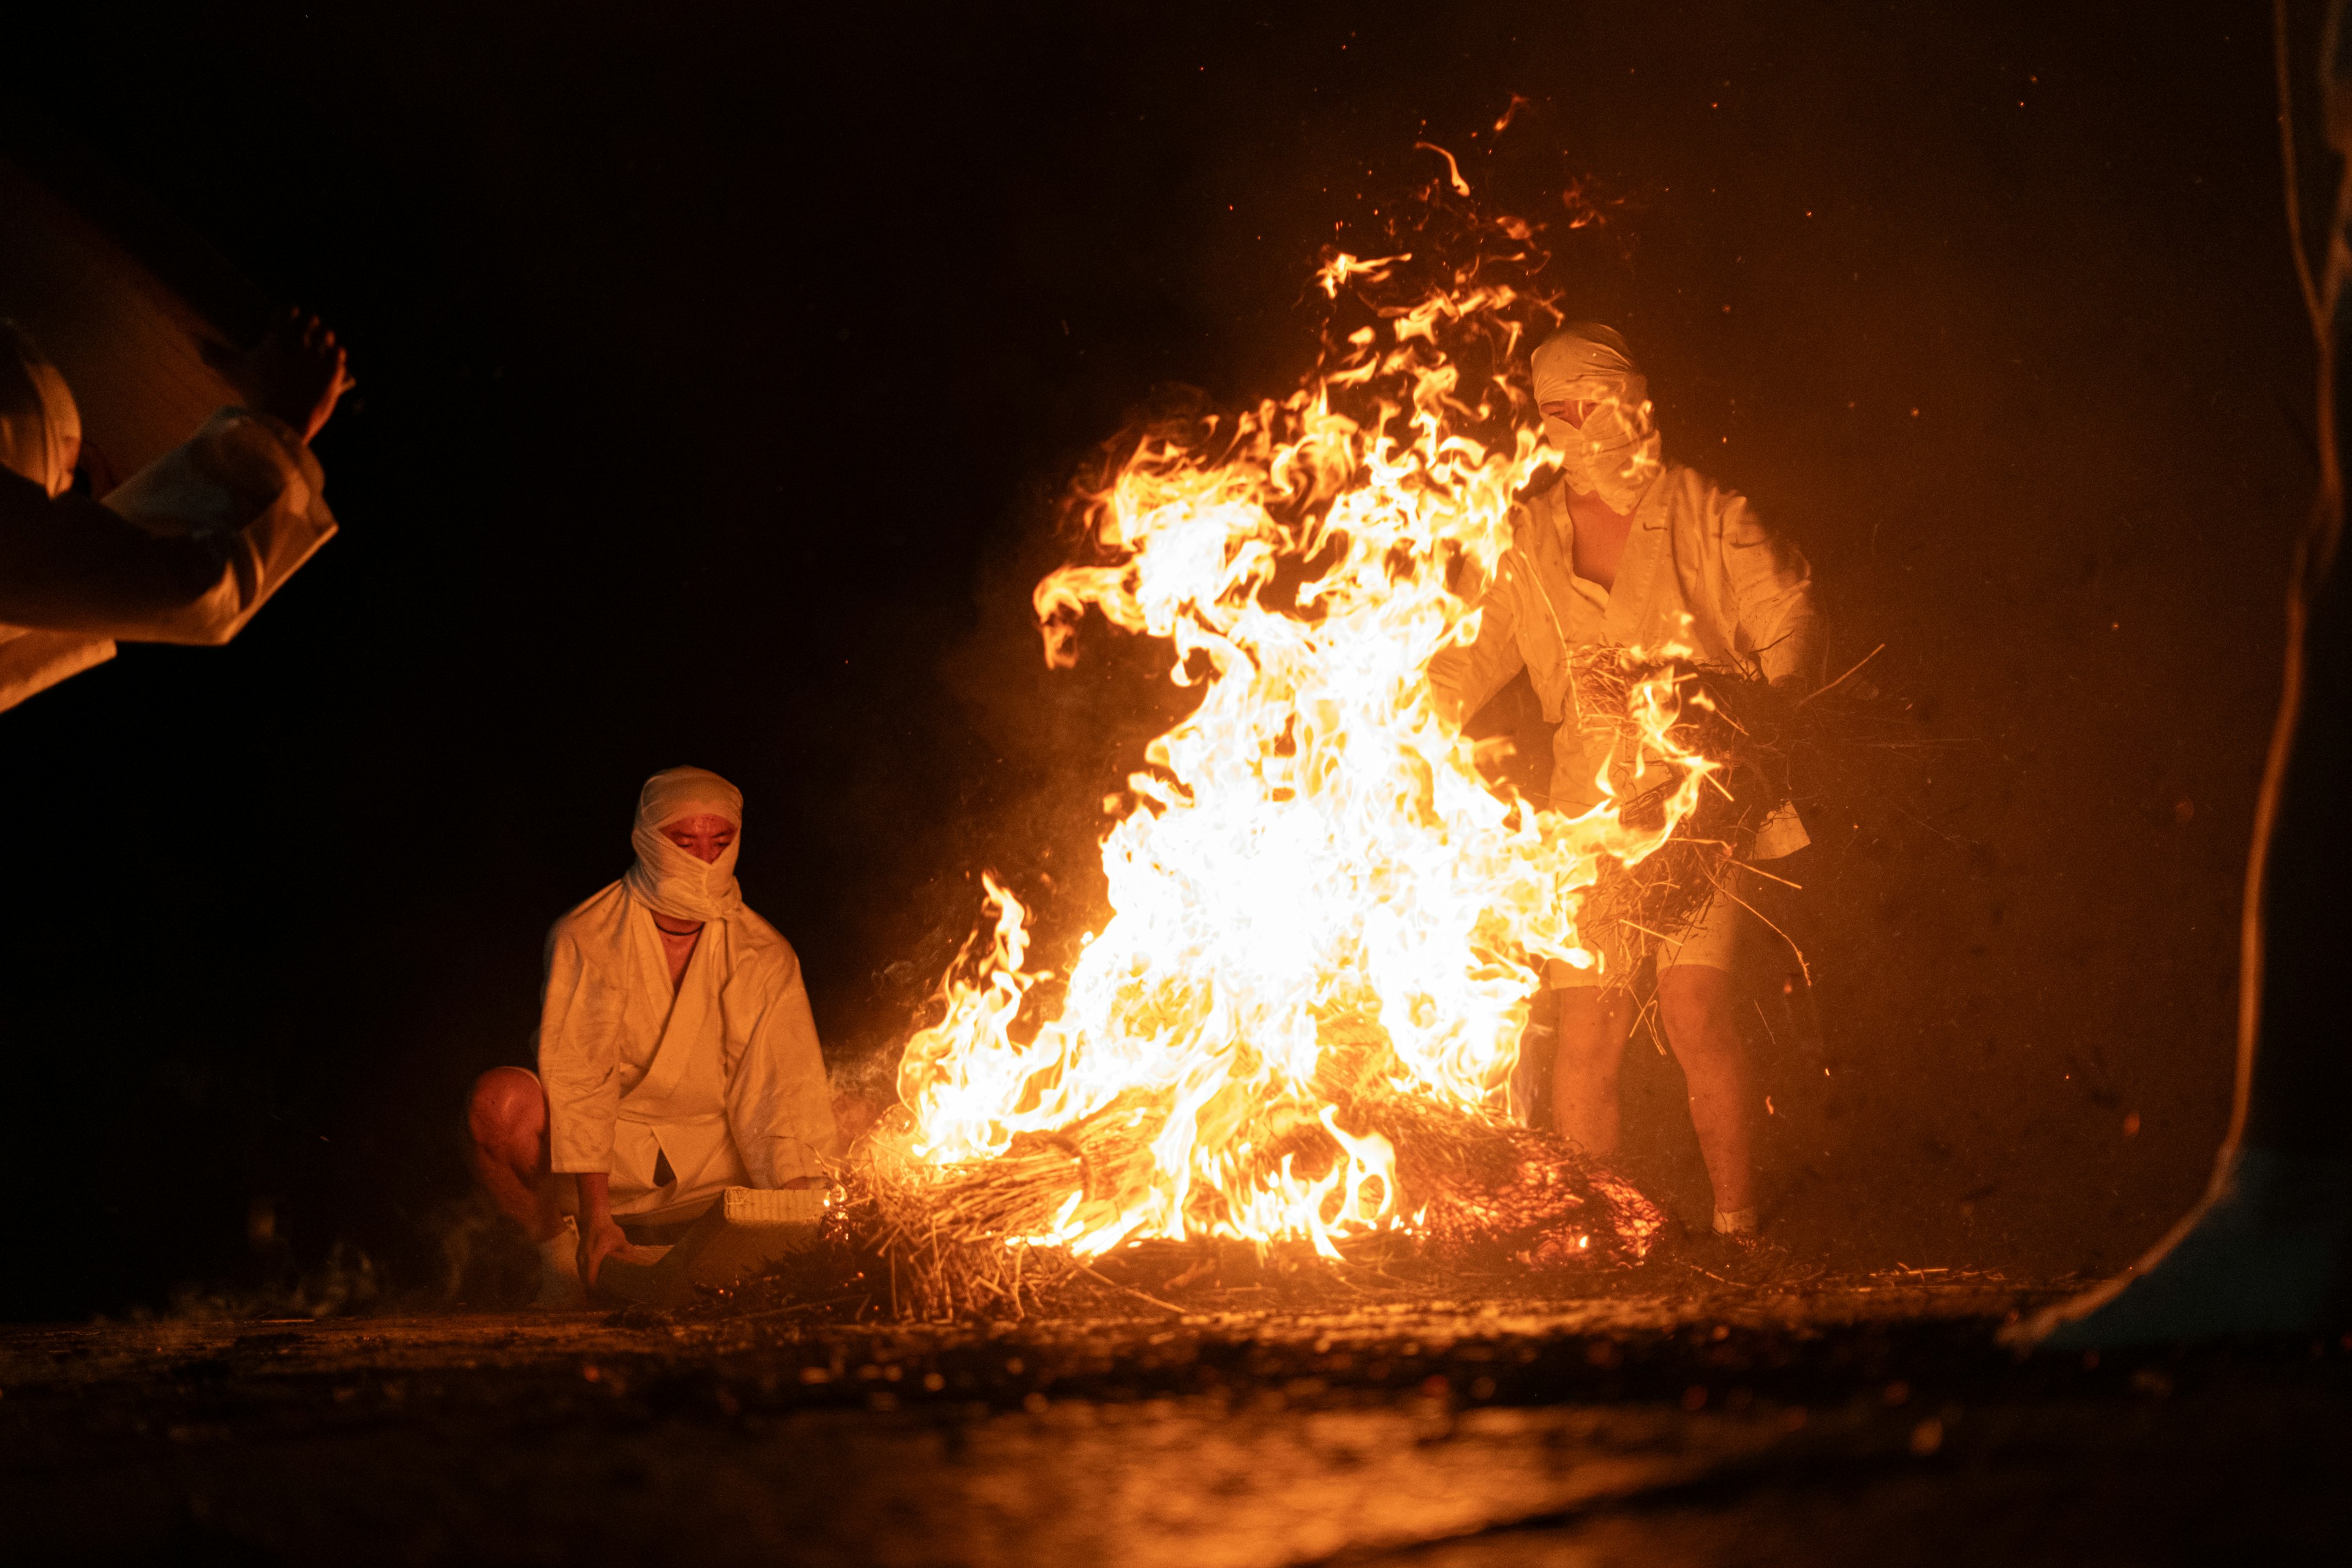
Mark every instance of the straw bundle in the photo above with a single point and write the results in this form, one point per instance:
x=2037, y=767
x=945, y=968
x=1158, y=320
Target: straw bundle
x=1770, y=746
x=911, y=1240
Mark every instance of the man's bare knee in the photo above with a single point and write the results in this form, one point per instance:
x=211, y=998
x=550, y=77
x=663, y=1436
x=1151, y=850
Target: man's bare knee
x=1695, y=1006
x=1591, y=1031
x=506, y=1113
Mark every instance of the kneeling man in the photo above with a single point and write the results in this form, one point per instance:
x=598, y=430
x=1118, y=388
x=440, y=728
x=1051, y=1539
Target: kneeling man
x=676, y=1048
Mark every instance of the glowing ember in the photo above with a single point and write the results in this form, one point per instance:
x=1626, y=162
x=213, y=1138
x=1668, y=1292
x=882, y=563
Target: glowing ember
x=1317, y=901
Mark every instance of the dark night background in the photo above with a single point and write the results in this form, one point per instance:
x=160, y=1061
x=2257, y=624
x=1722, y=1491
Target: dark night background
x=719, y=369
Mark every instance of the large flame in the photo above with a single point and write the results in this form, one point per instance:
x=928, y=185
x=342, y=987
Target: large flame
x=1312, y=866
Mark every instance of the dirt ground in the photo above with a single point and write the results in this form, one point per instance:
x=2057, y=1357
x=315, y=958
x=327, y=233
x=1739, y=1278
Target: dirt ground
x=1669, y=1415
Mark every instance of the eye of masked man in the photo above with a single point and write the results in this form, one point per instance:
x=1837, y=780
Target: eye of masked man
x=1629, y=549
x=678, y=1056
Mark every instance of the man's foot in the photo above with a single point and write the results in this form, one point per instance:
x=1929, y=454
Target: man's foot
x=1744, y=1259
x=2268, y=1252
x=560, y=1289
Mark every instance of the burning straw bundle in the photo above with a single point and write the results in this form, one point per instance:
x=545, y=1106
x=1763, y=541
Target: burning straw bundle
x=920, y=1241
x=1771, y=747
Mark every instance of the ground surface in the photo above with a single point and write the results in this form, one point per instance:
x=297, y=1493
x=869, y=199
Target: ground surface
x=1674, y=1417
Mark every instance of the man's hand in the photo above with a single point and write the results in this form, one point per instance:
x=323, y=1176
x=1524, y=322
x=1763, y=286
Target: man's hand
x=599, y=1237
x=296, y=373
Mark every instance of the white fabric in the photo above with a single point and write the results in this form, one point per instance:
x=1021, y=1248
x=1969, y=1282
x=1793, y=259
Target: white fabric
x=1699, y=568
x=245, y=482
x=248, y=483
x=31, y=662
x=1617, y=452
x=40, y=424
x=40, y=437
x=670, y=880
x=723, y=1076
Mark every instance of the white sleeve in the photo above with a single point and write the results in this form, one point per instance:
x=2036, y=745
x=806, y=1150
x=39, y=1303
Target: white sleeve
x=1770, y=596
x=32, y=662
x=779, y=1107
x=1464, y=679
x=578, y=1061
x=249, y=485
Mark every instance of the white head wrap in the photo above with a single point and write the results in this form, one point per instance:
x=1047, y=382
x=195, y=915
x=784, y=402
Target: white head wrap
x=667, y=879
x=40, y=427
x=1617, y=452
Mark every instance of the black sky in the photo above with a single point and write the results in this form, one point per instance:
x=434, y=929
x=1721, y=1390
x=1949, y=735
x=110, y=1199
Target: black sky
x=719, y=372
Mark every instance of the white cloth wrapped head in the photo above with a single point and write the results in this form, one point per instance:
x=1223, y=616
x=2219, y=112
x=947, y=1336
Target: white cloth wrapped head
x=666, y=877
x=40, y=425
x=1617, y=452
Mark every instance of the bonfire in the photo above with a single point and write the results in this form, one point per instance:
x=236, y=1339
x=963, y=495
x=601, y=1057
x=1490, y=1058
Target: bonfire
x=1326, y=915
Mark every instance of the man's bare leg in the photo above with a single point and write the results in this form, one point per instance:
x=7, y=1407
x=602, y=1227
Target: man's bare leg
x=505, y=1117
x=1589, y=1054
x=1694, y=1005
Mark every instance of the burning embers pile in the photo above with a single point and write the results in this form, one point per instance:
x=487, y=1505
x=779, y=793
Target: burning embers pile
x=1327, y=922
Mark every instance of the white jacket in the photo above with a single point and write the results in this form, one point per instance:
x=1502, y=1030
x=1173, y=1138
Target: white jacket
x=1699, y=569
x=724, y=1077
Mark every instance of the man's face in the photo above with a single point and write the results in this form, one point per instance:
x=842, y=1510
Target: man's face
x=704, y=838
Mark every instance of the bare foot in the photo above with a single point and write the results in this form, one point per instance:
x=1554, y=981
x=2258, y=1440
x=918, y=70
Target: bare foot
x=295, y=373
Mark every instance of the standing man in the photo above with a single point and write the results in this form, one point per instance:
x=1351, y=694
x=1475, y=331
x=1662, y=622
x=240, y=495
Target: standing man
x=1628, y=549
x=676, y=1047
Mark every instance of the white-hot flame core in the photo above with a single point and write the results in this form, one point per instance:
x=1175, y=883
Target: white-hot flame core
x=1313, y=853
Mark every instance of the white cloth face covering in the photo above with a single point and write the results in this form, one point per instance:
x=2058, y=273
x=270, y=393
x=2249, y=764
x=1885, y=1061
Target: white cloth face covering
x=1617, y=452
x=667, y=879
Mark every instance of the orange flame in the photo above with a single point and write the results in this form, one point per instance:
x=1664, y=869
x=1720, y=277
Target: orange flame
x=1453, y=169
x=1311, y=860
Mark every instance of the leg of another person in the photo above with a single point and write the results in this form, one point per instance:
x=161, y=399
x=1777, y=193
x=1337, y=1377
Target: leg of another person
x=1588, y=1054
x=506, y=1118
x=1528, y=1093
x=1694, y=1005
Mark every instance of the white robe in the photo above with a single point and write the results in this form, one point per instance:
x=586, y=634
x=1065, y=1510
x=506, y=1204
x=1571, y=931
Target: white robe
x=724, y=1078
x=1699, y=568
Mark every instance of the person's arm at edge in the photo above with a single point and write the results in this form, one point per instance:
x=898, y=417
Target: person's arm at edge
x=72, y=564
x=68, y=564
